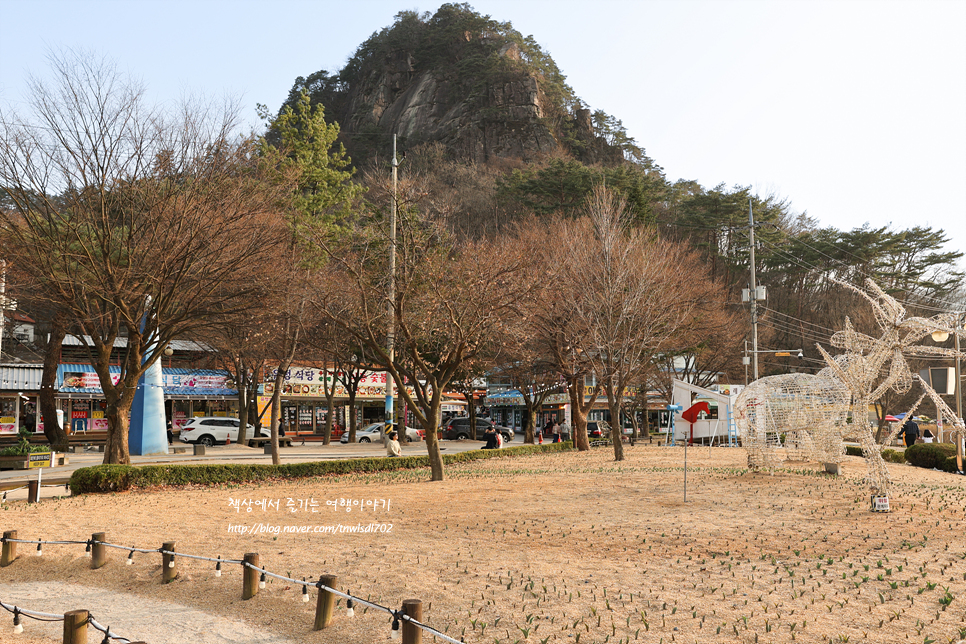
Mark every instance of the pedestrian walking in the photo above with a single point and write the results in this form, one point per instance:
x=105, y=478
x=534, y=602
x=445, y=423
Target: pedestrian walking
x=910, y=432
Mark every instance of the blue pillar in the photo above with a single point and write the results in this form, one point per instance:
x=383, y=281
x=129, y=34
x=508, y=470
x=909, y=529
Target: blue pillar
x=148, y=434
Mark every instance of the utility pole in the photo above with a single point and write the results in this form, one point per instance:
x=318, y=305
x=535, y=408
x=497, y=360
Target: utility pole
x=391, y=333
x=753, y=293
x=3, y=301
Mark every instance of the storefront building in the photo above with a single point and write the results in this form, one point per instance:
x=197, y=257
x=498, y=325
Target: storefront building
x=188, y=393
x=19, y=388
x=304, y=405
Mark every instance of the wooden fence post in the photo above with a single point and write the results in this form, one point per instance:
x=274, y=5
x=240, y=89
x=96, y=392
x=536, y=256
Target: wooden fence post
x=325, y=606
x=98, y=550
x=169, y=564
x=250, y=576
x=9, y=549
x=75, y=627
x=412, y=634
x=33, y=491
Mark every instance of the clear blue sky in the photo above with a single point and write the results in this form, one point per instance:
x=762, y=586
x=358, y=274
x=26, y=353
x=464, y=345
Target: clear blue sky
x=854, y=110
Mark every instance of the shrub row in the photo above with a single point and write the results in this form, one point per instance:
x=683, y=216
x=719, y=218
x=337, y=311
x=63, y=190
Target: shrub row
x=941, y=456
x=116, y=478
x=892, y=456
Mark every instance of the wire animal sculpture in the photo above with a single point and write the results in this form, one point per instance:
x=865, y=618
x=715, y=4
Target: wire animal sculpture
x=816, y=412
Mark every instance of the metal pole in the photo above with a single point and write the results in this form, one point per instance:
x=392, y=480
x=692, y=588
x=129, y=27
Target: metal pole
x=391, y=334
x=746, y=361
x=959, y=394
x=754, y=295
x=3, y=305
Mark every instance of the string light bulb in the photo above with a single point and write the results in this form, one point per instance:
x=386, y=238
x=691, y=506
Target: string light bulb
x=40, y=549
x=305, y=592
x=17, y=626
x=261, y=580
x=107, y=638
x=395, y=627
x=218, y=567
x=130, y=558
x=350, y=608
x=171, y=561
x=88, y=548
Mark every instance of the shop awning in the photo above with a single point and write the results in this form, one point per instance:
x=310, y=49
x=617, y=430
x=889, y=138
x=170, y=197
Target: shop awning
x=15, y=377
x=82, y=380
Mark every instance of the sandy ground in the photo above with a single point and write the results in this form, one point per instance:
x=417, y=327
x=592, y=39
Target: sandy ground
x=549, y=548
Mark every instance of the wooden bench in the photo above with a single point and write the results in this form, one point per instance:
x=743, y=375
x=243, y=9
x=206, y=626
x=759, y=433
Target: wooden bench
x=75, y=442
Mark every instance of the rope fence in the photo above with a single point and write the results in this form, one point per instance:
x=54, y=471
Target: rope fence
x=33, y=490
x=75, y=624
x=406, y=621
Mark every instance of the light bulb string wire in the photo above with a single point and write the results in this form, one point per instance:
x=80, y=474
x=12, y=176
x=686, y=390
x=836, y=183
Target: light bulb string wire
x=396, y=614
x=41, y=617
x=53, y=617
x=317, y=584
x=40, y=541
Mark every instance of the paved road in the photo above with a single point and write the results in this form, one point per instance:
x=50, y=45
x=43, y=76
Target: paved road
x=57, y=477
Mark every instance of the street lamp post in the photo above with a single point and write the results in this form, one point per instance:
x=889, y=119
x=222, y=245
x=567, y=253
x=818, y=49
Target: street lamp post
x=391, y=332
x=959, y=392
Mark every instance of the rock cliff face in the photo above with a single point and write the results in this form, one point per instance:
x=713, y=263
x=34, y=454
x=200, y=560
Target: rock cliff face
x=503, y=120
x=461, y=79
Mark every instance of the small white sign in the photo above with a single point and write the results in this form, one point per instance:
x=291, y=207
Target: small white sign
x=880, y=504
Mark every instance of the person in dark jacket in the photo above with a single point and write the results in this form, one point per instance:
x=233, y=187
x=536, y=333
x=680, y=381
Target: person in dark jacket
x=910, y=432
x=491, y=440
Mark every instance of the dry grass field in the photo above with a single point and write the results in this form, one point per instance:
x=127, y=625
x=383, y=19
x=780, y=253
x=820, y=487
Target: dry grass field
x=550, y=549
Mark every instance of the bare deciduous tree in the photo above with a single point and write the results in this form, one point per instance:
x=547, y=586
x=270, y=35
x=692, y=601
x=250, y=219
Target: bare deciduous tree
x=144, y=226
x=452, y=303
x=627, y=295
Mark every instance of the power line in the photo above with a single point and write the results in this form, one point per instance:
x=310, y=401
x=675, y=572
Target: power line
x=802, y=264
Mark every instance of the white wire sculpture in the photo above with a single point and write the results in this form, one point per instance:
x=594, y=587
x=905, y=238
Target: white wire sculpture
x=813, y=412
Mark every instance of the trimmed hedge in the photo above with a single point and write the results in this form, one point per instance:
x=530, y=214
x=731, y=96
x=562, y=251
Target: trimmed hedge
x=892, y=456
x=117, y=478
x=932, y=455
x=852, y=450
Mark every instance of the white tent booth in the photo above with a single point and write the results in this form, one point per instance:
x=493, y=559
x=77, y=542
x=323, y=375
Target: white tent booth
x=715, y=431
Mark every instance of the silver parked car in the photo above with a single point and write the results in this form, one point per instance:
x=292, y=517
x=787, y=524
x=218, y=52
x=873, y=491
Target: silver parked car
x=372, y=433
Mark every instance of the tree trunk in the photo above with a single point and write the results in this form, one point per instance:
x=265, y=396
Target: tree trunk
x=327, y=436
x=616, y=431
x=277, y=411
x=634, y=433
x=529, y=435
x=242, y=408
x=432, y=438
x=579, y=406
x=56, y=435
x=880, y=418
x=118, y=414
x=352, y=415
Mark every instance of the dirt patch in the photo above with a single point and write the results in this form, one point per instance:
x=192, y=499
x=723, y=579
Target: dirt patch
x=565, y=547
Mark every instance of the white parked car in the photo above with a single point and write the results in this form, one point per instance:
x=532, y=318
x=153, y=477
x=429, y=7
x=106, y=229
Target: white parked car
x=209, y=430
x=372, y=434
